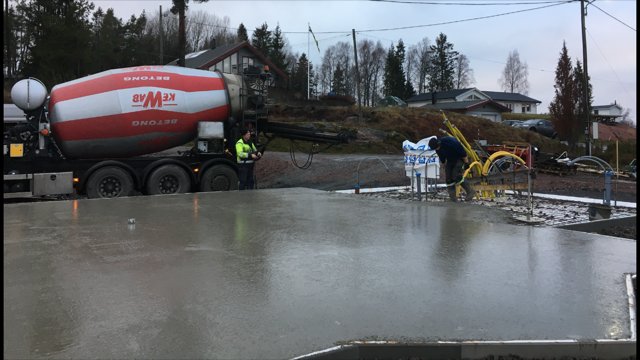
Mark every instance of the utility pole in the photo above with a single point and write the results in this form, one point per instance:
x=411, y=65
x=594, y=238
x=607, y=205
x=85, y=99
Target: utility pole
x=585, y=81
x=308, y=65
x=355, y=55
x=161, y=39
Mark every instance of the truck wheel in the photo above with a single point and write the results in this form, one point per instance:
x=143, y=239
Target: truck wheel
x=219, y=178
x=109, y=182
x=168, y=179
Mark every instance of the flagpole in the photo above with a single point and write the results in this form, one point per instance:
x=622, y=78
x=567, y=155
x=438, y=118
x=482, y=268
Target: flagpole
x=308, y=62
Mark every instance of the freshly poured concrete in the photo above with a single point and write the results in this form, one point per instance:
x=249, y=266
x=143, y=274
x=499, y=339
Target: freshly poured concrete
x=284, y=272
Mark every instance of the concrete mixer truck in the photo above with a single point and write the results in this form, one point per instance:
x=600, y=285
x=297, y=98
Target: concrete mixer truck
x=110, y=134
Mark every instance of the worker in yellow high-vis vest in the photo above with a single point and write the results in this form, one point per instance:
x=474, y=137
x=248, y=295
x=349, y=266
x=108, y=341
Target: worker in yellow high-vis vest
x=246, y=155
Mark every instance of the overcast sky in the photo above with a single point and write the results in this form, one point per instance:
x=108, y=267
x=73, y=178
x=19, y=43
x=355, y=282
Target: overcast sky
x=483, y=32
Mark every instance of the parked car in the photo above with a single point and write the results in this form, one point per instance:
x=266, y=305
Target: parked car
x=541, y=126
x=511, y=122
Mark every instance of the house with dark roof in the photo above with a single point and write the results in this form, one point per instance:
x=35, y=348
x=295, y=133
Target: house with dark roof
x=233, y=59
x=471, y=101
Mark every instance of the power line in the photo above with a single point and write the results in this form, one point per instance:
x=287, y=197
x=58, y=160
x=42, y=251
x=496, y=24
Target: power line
x=607, y=61
x=470, y=19
x=468, y=3
x=552, y=3
x=613, y=17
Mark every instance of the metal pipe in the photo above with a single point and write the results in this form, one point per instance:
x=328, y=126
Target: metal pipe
x=419, y=186
x=358, y=170
x=608, y=171
x=607, y=187
x=413, y=171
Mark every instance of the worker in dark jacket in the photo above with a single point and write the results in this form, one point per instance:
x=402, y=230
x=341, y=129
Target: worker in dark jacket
x=453, y=156
x=246, y=155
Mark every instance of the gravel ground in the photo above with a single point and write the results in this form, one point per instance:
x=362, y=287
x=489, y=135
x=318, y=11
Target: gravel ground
x=343, y=172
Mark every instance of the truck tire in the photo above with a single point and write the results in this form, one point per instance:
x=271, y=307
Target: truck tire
x=168, y=179
x=219, y=178
x=109, y=182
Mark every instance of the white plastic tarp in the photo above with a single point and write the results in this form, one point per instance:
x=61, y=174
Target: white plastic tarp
x=419, y=159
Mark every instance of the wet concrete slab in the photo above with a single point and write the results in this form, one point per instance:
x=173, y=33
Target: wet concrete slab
x=284, y=272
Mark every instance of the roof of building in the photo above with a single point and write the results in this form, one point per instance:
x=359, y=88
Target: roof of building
x=505, y=96
x=439, y=95
x=467, y=105
x=204, y=59
x=606, y=106
x=452, y=94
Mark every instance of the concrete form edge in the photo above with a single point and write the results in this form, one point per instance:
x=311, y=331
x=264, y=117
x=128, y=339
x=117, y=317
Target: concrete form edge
x=469, y=349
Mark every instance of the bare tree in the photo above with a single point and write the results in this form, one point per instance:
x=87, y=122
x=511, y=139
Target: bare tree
x=419, y=55
x=626, y=118
x=370, y=59
x=515, y=74
x=326, y=69
x=203, y=27
x=344, y=53
x=198, y=31
x=463, y=73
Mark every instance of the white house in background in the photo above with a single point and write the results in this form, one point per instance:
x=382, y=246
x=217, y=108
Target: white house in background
x=471, y=101
x=607, y=113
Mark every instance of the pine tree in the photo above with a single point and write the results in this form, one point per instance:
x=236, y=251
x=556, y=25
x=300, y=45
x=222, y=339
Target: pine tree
x=578, y=79
x=242, y=33
x=442, y=70
x=276, y=50
x=394, y=79
x=106, y=42
x=299, y=79
x=562, y=107
x=261, y=39
x=338, y=85
x=60, y=35
x=409, y=91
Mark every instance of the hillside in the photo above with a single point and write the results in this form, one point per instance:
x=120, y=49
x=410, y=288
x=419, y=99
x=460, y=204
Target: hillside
x=382, y=130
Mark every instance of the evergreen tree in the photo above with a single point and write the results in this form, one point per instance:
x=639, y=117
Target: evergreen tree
x=106, y=42
x=442, y=70
x=276, y=50
x=11, y=42
x=299, y=78
x=242, y=33
x=59, y=39
x=394, y=79
x=137, y=44
x=578, y=79
x=409, y=91
x=338, y=85
x=562, y=107
x=261, y=39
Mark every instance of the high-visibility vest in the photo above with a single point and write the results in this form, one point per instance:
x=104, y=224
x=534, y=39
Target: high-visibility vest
x=242, y=151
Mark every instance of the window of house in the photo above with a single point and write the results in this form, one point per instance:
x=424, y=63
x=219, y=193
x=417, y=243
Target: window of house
x=246, y=61
x=226, y=65
x=234, y=64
